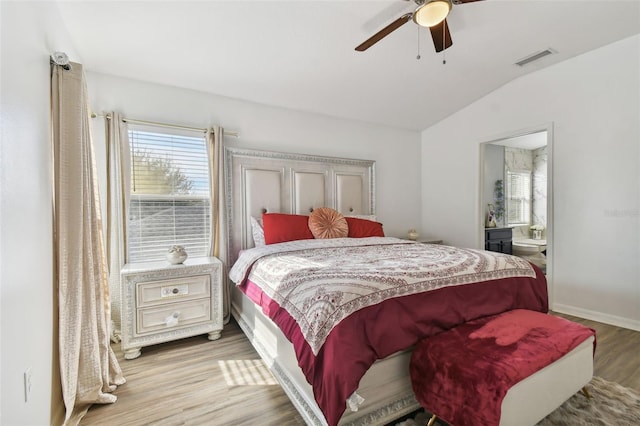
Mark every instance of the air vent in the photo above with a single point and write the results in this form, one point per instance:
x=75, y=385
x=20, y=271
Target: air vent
x=534, y=57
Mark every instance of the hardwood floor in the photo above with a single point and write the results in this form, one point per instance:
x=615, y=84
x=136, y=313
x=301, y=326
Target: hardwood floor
x=617, y=356
x=195, y=381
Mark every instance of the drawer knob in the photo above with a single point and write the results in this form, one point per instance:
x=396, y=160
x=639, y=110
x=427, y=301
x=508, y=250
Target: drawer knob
x=173, y=319
x=175, y=291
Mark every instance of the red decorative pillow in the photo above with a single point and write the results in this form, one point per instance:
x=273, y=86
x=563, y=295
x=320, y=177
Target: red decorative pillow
x=328, y=223
x=360, y=228
x=281, y=227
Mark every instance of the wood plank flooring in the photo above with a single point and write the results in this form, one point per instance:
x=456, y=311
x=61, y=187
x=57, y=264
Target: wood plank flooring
x=195, y=381
x=617, y=356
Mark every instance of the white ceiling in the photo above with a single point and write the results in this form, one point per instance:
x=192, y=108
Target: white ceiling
x=300, y=54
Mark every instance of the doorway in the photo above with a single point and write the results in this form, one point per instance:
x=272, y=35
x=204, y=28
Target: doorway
x=516, y=196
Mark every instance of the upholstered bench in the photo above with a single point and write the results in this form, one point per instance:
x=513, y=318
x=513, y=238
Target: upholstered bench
x=509, y=369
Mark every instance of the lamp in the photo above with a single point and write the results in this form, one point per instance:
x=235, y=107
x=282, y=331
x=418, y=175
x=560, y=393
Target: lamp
x=431, y=12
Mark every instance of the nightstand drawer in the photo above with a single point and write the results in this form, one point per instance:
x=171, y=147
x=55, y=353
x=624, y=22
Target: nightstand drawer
x=174, y=315
x=178, y=289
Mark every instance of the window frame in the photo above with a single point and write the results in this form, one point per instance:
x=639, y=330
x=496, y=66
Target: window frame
x=155, y=248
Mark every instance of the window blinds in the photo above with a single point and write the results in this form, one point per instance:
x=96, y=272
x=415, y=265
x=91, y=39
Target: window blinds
x=170, y=200
x=518, y=197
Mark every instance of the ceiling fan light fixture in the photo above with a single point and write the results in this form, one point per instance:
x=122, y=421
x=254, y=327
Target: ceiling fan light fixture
x=432, y=12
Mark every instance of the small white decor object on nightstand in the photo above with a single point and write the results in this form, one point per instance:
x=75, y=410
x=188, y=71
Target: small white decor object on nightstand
x=176, y=255
x=163, y=302
x=412, y=234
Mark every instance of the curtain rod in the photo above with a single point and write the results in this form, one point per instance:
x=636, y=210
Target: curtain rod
x=171, y=126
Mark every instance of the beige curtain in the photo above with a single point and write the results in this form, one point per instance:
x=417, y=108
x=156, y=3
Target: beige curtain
x=89, y=370
x=218, y=246
x=118, y=179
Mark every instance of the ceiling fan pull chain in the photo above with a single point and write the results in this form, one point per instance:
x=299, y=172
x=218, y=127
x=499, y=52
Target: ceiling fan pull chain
x=418, y=57
x=444, y=43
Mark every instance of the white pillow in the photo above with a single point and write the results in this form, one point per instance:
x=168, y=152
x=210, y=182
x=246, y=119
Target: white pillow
x=371, y=217
x=257, y=231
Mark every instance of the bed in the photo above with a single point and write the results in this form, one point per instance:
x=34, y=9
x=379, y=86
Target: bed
x=340, y=346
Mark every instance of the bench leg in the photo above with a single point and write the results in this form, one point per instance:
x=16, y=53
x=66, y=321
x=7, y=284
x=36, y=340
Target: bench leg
x=432, y=420
x=586, y=393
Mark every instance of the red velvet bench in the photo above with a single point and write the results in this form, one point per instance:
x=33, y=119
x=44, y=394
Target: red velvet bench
x=508, y=369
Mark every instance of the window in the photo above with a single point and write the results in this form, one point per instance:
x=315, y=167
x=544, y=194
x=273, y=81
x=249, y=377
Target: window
x=518, y=198
x=170, y=201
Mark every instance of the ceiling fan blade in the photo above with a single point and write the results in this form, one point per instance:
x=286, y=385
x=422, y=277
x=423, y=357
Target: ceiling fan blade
x=384, y=32
x=463, y=1
x=441, y=36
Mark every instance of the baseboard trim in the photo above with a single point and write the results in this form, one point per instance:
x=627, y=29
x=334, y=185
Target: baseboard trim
x=597, y=316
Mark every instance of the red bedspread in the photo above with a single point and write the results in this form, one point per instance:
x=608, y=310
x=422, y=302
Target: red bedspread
x=463, y=375
x=378, y=331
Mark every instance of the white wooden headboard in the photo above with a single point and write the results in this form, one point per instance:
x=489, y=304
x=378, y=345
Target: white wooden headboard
x=276, y=182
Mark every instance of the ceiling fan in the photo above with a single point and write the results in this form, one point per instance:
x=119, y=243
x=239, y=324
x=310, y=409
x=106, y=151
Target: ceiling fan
x=429, y=13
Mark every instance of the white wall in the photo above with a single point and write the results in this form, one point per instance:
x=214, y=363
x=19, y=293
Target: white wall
x=593, y=101
x=396, y=152
x=31, y=31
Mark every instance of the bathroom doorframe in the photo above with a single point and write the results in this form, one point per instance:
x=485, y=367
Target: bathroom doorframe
x=550, y=222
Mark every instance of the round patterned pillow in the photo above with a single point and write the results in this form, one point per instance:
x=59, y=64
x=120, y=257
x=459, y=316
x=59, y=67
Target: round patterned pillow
x=328, y=223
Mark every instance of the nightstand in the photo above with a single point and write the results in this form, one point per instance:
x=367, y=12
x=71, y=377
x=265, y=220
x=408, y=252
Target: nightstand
x=163, y=302
x=426, y=241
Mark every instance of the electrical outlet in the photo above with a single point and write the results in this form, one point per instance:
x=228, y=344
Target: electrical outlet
x=27, y=384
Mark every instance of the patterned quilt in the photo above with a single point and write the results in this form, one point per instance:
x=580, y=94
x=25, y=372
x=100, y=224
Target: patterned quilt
x=321, y=282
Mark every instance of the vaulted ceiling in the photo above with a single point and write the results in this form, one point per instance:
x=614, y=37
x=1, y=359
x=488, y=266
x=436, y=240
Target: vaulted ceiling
x=300, y=54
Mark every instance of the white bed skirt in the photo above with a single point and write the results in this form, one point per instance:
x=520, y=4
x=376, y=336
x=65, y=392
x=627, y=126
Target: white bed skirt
x=386, y=387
